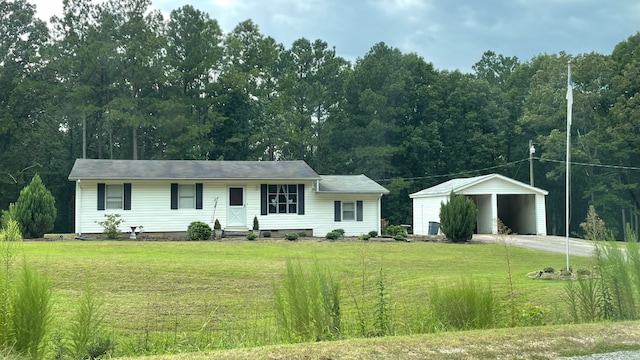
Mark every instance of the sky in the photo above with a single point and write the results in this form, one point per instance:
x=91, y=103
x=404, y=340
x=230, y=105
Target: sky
x=451, y=34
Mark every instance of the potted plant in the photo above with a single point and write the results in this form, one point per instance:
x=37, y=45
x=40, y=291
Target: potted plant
x=256, y=225
x=217, y=229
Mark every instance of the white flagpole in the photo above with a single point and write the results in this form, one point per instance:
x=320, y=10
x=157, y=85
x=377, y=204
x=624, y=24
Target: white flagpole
x=568, y=174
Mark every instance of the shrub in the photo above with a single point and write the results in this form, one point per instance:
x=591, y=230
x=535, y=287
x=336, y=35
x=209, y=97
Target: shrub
x=373, y=233
x=217, y=225
x=332, y=235
x=394, y=230
x=340, y=232
x=266, y=234
x=110, y=225
x=256, y=224
x=199, y=230
x=458, y=218
x=291, y=236
x=302, y=234
x=251, y=235
x=399, y=238
x=549, y=270
x=364, y=237
x=594, y=227
x=35, y=209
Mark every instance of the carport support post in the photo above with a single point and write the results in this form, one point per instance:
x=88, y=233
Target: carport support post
x=532, y=151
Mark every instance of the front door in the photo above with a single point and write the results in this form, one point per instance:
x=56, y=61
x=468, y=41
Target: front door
x=237, y=212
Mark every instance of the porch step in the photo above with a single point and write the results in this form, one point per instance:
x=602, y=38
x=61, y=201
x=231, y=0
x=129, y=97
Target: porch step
x=236, y=231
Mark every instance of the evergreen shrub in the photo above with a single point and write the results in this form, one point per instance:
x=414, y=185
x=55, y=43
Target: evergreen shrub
x=35, y=209
x=199, y=230
x=458, y=218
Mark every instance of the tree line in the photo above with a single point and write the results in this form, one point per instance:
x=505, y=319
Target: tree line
x=118, y=80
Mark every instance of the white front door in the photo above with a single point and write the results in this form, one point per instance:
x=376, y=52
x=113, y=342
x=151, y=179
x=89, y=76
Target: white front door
x=236, y=209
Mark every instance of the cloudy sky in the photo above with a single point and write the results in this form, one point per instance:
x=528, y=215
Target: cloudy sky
x=451, y=34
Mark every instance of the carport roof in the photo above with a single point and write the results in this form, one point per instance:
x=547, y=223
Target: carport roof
x=460, y=184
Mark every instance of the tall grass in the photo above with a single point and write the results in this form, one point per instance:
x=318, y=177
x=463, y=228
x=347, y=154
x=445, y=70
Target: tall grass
x=31, y=315
x=10, y=238
x=464, y=306
x=307, y=303
x=86, y=331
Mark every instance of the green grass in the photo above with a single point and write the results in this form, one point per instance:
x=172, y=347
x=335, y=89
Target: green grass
x=224, y=289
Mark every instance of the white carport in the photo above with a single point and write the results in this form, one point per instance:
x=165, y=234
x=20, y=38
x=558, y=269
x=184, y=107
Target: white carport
x=521, y=207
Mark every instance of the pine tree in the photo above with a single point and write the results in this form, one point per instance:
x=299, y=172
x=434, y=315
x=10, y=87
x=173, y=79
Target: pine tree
x=458, y=218
x=35, y=209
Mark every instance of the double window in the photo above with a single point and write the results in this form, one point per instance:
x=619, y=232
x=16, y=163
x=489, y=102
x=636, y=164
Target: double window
x=348, y=210
x=282, y=199
x=186, y=196
x=114, y=196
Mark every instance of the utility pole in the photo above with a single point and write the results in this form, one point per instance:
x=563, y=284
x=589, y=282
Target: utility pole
x=532, y=151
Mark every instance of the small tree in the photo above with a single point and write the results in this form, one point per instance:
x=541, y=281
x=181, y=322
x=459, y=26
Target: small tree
x=256, y=224
x=458, y=218
x=35, y=209
x=594, y=227
x=111, y=225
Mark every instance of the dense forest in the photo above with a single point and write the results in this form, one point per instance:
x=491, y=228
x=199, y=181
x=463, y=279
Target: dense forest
x=119, y=81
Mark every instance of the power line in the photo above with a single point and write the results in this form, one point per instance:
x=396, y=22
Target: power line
x=513, y=163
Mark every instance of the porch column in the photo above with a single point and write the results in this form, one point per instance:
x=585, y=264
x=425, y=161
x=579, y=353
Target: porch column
x=494, y=213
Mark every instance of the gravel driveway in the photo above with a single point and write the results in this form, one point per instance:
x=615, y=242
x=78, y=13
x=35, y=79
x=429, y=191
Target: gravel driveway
x=545, y=243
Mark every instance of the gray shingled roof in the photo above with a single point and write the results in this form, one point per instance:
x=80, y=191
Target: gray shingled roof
x=191, y=169
x=349, y=184
x=460, y=184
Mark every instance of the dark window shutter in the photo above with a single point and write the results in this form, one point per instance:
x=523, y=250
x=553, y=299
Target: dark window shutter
x=101, y=190
x=300, y=199
x=198, y=195
x=127, y=196
x=174, y=196
x=337, y=216
x=359, y=210
x=263, y=199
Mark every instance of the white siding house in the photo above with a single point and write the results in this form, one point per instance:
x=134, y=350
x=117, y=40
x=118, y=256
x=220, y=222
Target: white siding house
x=165, y=196
x=521, y=207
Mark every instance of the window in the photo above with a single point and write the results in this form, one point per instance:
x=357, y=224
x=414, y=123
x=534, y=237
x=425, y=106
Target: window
x=114, y=196
x=186, y=196
x=283, y=199
x=348, y=211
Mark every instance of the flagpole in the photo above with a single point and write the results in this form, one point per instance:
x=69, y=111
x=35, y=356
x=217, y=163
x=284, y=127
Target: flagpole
x=568, y=174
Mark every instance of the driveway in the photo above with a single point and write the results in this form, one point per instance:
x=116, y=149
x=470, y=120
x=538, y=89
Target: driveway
x=545, y=243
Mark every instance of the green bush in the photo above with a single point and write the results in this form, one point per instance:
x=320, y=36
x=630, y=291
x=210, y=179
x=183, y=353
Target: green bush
x=373, y=233
x=251, y=235
x=399, y=237
x=111, y=225
x=256, y=224
x=35, y=209
x=266, y=234
x=291, y=236
x=458, y=218
x=364, y=237
x=199, y=230
x=332, y=235
x=394, y=230
x=340, y=232
x=217, y=225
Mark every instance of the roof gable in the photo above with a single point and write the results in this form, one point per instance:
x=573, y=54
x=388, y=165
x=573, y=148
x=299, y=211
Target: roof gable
x=349, y=184
x=459, y=185
x=191, y=169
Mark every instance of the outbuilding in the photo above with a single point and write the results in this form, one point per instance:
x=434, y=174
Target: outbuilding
x=520, y=207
